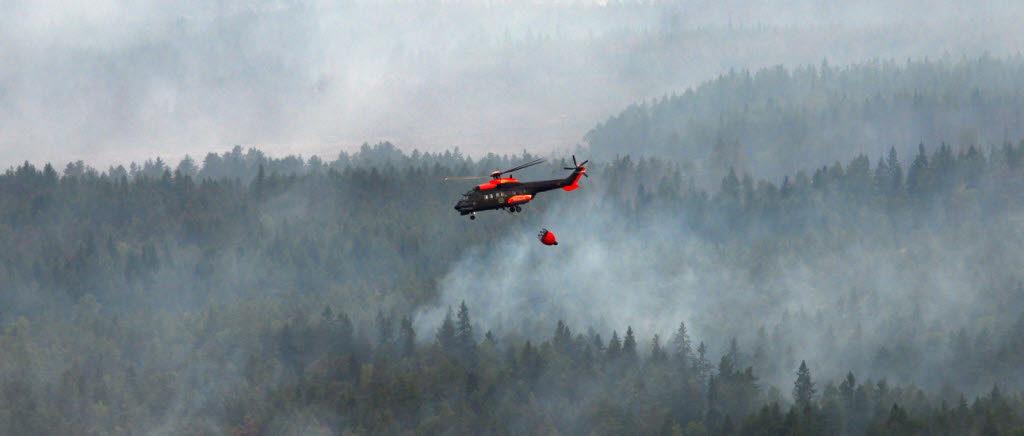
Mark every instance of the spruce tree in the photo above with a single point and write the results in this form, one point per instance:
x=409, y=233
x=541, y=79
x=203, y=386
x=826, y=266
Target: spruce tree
x=614, y=347
x=734, y=352
x=803, y=389
x=702, y=366
x=563, y=337
x=881, y=178
x=847, y=389
x=463, y=328
x=446, y=334
x=918, y=177
x=657, y=352
x=681, y=346
x=407, y=337
x=895, y=171
x=629, y=344
x=464, y=333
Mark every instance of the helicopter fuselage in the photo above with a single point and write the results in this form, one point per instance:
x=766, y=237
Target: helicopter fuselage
x=509, y=193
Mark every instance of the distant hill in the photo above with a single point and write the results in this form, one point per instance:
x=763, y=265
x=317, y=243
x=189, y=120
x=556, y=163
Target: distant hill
x=777, y=120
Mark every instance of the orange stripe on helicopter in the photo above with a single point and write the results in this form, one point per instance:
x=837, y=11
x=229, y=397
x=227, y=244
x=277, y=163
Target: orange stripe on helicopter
x=495, y=182
x=519, y=199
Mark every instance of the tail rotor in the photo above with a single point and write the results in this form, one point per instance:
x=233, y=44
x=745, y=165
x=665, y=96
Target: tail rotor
x=578, y=166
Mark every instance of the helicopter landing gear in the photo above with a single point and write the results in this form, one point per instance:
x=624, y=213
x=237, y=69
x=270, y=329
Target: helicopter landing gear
x=519, y=209
x=472, y=217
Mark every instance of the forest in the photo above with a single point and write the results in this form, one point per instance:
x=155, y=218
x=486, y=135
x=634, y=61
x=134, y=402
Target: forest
x=801, y=217
x=772, y=121
x=247, y=294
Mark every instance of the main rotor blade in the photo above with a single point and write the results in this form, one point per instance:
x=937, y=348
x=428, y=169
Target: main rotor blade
x=574, y=160
x=465, y=178
x=584, y=163
x=528, y=164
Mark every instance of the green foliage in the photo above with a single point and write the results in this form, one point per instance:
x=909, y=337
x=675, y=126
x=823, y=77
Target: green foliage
x=775, y=120
x=803, y=389
x=285, y=302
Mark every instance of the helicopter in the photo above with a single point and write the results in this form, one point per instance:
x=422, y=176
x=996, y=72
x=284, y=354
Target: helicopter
x=510, y=194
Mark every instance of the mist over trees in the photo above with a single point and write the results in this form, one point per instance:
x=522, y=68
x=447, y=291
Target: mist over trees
x=267, y=295
x=816, y=250
x=775, y=121
x=128, y=81
x=825, y=238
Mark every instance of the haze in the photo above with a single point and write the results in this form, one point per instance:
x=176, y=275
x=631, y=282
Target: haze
x=114, y=82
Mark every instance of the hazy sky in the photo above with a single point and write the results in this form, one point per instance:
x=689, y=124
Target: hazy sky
x=114, y=82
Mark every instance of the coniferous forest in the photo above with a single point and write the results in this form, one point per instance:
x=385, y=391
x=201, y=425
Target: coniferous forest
x=776, y=120
x=257, y=295
x=250, y=294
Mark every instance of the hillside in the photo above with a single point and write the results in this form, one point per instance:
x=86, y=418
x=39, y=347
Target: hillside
x=776, y=121
x=346, y=295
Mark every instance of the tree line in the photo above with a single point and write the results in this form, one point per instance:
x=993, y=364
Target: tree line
x=277, y=299
x=775, y=120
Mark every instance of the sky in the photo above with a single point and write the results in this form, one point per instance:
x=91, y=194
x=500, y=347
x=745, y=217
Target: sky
x=111, y=82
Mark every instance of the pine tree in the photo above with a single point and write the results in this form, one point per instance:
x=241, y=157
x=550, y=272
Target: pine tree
x=531, y=361
x=597, y=344
x=187, y=167
x=464, y=333
x=847, y=389
x=463, y=328
x=629, y=344
x=803, y=389
x=446, y=334
x=942, y=167
x=258, y=185
x=881, y=178
x=734, y=353
x=918, y=180
x=858, y=173
x=657, y=353
x=614, y=347
x=973, y=164
x=702, y=366
x=562, y=338
x=681, y=346
x=895, y=179
x=407, y=337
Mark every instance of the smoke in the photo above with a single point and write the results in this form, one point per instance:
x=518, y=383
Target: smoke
x=606, y=271
x=220, y=319
x=122, y=81
x=853, y=291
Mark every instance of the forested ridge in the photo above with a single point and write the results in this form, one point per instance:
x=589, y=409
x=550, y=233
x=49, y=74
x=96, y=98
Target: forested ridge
x=773, y=121
x=254, y=295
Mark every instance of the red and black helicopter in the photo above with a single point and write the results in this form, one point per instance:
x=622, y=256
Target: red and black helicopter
x=509, y=193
